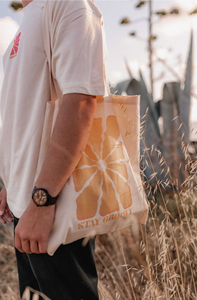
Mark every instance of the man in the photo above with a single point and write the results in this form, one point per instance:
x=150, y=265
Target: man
x=70, y=273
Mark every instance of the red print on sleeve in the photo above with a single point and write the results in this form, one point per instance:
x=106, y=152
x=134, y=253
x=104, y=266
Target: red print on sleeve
x=15, y=46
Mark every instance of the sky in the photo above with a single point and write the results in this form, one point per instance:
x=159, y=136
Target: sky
x=172, y=44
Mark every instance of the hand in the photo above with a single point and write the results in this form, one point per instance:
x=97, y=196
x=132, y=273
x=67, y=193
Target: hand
x=33, y=228
x=5, y=213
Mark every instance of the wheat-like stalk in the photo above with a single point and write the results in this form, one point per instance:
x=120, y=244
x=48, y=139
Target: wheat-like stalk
x=156, y=261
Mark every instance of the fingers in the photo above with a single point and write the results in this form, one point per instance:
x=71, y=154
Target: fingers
x=34, y=247
x=3, y=205
x=30, y=247
x=2, y=220
x=26, y=246
x=33, y=229
x=42, y=247
x=22, y=244
x=5, y=214
x=8, y=216
x=18, y=243
x=5, y=217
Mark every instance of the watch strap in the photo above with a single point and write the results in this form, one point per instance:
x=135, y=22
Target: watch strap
x=50, y=200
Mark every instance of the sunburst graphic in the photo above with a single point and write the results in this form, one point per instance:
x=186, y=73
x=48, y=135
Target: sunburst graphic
x=15, y=46
x=101, y=176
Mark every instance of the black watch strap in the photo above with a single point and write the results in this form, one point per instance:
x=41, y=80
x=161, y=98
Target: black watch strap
x=50, y=200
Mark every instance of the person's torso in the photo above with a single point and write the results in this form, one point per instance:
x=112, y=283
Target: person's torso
x=25, y=92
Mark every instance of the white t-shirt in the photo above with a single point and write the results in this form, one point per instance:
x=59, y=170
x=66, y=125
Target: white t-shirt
x=26, y=90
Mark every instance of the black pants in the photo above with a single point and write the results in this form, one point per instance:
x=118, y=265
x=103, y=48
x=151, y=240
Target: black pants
x=69, y=274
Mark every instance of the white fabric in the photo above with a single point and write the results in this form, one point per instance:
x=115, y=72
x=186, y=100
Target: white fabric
x=104, y=192
x=77, y=62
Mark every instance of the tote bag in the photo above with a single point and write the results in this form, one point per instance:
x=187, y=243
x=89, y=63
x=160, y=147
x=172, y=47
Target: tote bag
x=104, y=192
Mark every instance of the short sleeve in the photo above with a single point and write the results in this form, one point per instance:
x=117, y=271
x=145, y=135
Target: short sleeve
x=78, y=53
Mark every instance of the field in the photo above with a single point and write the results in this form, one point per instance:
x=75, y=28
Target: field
x=156, y=261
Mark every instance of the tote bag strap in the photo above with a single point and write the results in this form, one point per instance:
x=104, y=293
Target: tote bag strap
x=106, y=81
x=47, y=41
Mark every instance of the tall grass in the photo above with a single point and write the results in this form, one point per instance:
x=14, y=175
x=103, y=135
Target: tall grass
x=8, y=271
x=156, y=261
x=159, y=260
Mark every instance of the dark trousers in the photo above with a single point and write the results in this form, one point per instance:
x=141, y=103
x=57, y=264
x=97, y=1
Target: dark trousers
x=70, y=274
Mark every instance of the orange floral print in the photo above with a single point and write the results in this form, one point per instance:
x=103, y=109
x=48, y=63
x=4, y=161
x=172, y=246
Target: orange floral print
x=15, y=46
x=101, y=174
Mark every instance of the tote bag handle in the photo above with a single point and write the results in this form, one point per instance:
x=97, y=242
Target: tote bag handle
x=47, y=41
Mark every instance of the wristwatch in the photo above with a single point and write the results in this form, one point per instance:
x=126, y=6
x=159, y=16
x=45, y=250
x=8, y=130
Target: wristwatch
x=42, y=198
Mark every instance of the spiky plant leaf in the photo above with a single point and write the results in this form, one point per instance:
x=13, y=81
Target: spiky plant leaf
x=122, y=86
x=185, y=97
x=171, y=129
x=113, y=89
x=151, y=105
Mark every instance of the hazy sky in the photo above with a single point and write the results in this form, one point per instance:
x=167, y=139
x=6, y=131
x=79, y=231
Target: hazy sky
x=172, y=44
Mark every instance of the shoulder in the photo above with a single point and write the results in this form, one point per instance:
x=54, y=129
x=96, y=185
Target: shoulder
x=60, y=9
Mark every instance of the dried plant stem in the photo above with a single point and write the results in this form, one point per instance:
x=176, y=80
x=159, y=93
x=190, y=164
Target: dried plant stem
x=181, y=272
x=115, y=267
x=126, y=266
x=111, y=275
x=2, y=271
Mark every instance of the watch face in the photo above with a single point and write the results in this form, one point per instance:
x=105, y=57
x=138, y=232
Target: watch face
x=40, y=197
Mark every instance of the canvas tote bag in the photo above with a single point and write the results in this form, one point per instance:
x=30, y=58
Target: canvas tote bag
x=104, y=192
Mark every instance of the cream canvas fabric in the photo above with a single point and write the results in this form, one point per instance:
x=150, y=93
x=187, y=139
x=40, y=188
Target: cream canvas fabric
x=105, y=191
x=26, y=86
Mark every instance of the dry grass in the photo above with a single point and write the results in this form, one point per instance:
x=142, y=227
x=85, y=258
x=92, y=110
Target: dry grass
x=8, y=271
x=153, y=262
x=156, y=261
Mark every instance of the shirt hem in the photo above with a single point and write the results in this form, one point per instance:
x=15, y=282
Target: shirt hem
x=96, y=91
x=15, y=211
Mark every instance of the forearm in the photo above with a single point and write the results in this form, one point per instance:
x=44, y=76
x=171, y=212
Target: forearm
x=68, y=141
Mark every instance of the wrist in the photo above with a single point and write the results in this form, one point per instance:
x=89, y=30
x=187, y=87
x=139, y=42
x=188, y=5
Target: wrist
x=45, y=185
x=41, y=197
x=34, y=207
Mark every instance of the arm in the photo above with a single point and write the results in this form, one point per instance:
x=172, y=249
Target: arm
x=68, y=141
